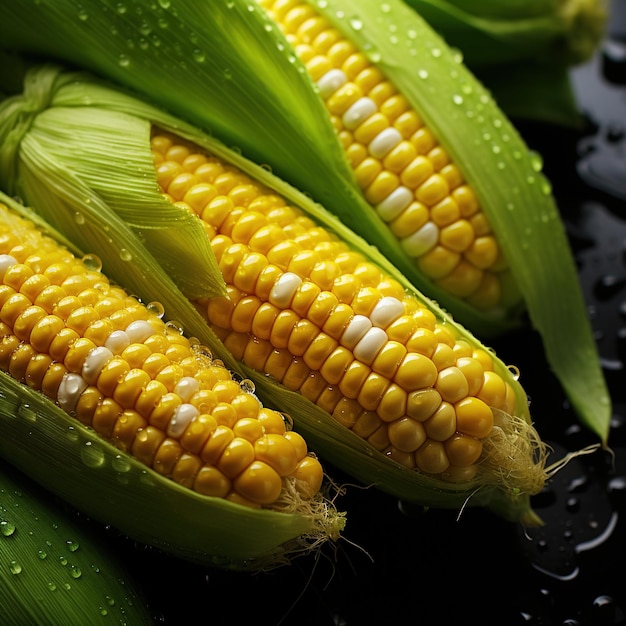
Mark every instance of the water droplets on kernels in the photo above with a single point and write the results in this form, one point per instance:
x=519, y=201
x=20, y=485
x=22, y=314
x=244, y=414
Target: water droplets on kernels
x=156, y=308
x=92, y=262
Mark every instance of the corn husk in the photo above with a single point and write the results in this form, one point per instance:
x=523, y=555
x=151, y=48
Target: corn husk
x=55, y=568
x=513, y=471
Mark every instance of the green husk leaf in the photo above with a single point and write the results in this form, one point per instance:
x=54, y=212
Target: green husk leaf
x=491, y=32
x=75, y=463
x=107, y=154
x=55, y=568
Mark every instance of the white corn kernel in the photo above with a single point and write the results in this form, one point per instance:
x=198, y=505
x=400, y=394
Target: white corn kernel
x=370, y=345
x=72, y=385
x=330, y=82
x=422, y=240
x=284, y=289
x=385, y=141
x=139, y=330
x=94, y=362
x=358, y=112
x=117, y=341
x=355, y=330
x=398, y=200
x=387, y=310
x=181, y=418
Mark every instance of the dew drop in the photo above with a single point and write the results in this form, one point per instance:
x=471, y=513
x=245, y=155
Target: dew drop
x=52, y=587
x=121, y=8
x=125, y=255
x=42, y=554
x=247, y=386
x=15, y=567
x=92, y=262
x=83, y=16
x=72, y=546
x=164, y=4
x=6, y=528
x=435, y=52
x=156, y=308
x=75, y=571
x=422, y=73
x=356, y=23
x=79, y=217
x=123, y=60
x=92, y=456
x=457, y=99
x=198, y=55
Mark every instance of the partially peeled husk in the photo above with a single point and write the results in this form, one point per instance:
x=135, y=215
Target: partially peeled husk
x=109, y=485
x=524, y=460
x=226, y=68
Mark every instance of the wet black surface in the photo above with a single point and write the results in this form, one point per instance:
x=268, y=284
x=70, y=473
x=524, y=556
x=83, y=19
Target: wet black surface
x=436, y=568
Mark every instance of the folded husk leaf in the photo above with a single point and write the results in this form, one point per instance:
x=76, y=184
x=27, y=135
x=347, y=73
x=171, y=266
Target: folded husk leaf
x=55, y=568
x=332, y=442
x=226, y=68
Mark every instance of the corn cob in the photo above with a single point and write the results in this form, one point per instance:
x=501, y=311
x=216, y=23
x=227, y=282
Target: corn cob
x=259, y=97
x=400, y=165
x=54, y=570
x=322, y=320
x=114, y=365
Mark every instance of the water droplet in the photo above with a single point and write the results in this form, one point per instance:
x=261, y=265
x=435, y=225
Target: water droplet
x=125, y=255
x=92, y=455
x=227, y=73
x=457, y=99
x=247, y=386
x=422, y=73
x=123, y=60
x=356, y=23
x=174, y=327
x=121, y=463
x=164, y=4
x=83, y=16
x=121, y=8
x=436, y=52
x=198, y=55
x=42, y=554
x=15, y=567
x=92, y=262
x=75, y=571
x=7, y=528
x=156, y=308
x=72, y=546
x=52, y=587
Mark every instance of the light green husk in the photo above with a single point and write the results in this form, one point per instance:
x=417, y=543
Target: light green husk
x=75, y=463
x=54, y=568
x=523, y=50
x=226, y=68
x=80, y=95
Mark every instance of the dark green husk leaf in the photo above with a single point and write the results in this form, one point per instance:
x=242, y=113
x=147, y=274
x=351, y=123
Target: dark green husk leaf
x=55, y=568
